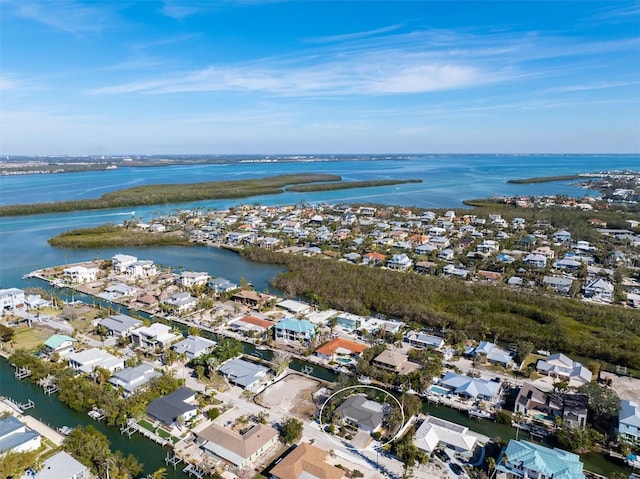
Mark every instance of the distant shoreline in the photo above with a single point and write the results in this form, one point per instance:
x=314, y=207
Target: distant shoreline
x=547, y=179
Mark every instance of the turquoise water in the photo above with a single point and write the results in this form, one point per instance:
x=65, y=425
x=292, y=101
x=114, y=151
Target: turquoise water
x=439, y=390
x=344, y=360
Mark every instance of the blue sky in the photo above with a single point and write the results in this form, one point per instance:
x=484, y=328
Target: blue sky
x=251, y=76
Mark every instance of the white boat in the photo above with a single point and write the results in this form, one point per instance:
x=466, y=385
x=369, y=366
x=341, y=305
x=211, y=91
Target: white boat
x=65, y=430
x=364, y=379
x=481, y=413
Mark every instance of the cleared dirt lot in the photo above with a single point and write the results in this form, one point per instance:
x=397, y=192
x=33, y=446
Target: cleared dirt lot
x=291, y=395
x=625, y=386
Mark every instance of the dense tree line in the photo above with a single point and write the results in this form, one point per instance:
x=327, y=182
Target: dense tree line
x=345, y=185
x=171, y=193
x=481, y=311
x=113, y=236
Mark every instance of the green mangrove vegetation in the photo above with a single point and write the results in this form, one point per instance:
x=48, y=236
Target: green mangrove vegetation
x=345, y=185
x=544, y=179
x=172, y=193
x=112, y=236
x=606, y=333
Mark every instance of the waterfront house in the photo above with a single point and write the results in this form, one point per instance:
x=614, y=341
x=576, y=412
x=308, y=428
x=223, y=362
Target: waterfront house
x=560, y=366
x=174, y=408
x=60, y=466
x=340, y=348
x=468, y=387
x=116, y=291
x=361, y=412
x=423, y=340
x=188, y=279
x=524, y=459
x=629, y=421
x=240, y=450
x=120, y=325
x=538, y=399
x=243, y=373
x=16, y=437
x=130, y=379
x=80, y=274
x=435, y=432
x=252, y=299
x=194, y=346
x=122, y=261
x=59, y=343
x=290, y=329
x=154, y=335
x=142, y=269
x=251, y=325
x=306, y=462
x=88, y=360
x=11, y=299
x=599, y=290
x=394, y=361
x=222, y=285
x=32, y=301
x=374, y=325
x=181, y=302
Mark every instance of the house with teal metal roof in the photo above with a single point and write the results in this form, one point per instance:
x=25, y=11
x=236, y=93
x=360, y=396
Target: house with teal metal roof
x=60, y=343
x=526, y=459
x=290, y=329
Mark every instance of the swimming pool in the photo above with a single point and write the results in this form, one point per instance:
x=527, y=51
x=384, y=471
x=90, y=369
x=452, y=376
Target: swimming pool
x=344, y=360
x=439, y=390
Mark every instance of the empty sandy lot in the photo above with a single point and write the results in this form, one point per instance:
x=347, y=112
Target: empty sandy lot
x=291, y=395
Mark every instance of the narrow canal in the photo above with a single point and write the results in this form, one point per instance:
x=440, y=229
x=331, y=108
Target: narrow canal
x=52, y=412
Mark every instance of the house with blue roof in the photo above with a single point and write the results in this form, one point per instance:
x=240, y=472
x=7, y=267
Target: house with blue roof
x=526, y=459
x=290, y=329
x=629, y=421
x=15, y=436
x=469, y=387
x=492, y=353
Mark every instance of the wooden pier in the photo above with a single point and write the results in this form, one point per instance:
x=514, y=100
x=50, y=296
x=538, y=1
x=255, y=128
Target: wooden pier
x=172, y=459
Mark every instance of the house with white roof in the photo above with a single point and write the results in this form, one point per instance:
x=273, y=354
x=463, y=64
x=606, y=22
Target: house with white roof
x=524, y=459
x=469, y=387
x=155, y=335
x=122, y=261
x=294, y=307
x=194, y=346
x=560, y=366
x=629, y=421
x=80, y=274
x=435, y=432
x=117, y=291
x=130, y=379
x=243, y=373
x=599, y=289
x=187, y=279
x=142, y=269
x=535, y=260
x=181, y=302
x=11, y=299
x=88, y=360
x=400, y=262
x=59, y=466
x=15, y=436
x=423, y=340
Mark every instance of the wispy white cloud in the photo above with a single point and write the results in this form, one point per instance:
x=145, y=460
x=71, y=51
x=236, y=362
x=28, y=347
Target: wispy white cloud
x=353, y=36
x=182, y=9
x=6, y=83
x=593, y=86
x=67, y=15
